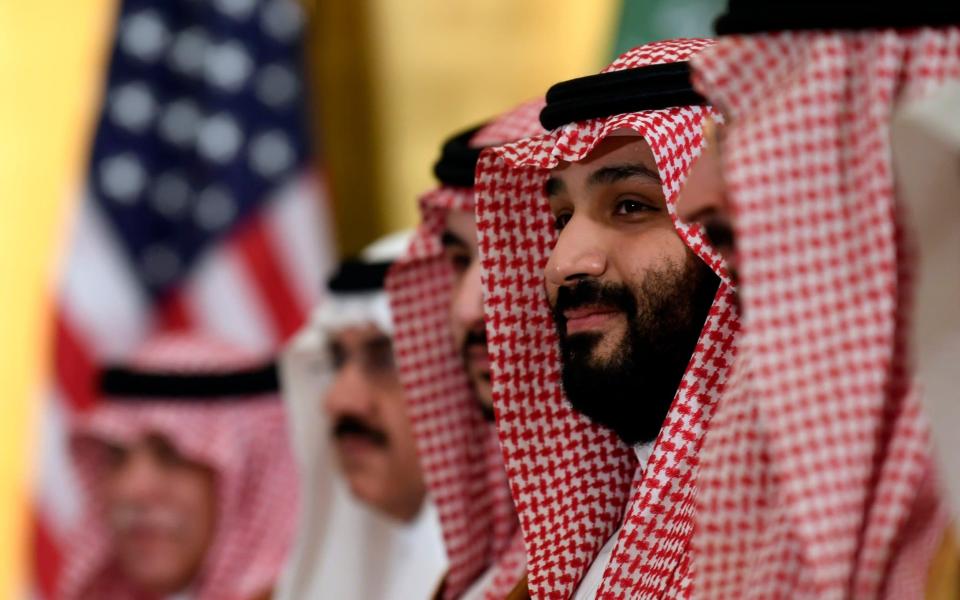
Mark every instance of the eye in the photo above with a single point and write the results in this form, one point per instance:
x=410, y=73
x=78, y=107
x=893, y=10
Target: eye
x=115, y=456
x=459, y=260
x=379, y=357
x=338, y=356
x=561, y=220
x=166, y=454
x=631, y=206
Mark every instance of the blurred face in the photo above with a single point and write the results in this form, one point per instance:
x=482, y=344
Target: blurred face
x=629, y=298
x=703, y=198
x=371, y=431
x=466, y=305
x=161, y=513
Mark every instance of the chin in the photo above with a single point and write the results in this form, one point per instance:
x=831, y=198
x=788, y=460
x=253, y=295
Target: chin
x=607, y=350
x=157, y=579
x=484, y=393
x=366, y=485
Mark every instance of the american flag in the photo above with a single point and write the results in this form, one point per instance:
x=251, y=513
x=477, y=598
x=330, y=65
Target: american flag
x=201, y=210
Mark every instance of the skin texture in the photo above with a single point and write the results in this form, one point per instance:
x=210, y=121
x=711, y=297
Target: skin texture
x=161, y=511
x=466, y=304
x=629, y=297
x=371, y=431
x=703, y=198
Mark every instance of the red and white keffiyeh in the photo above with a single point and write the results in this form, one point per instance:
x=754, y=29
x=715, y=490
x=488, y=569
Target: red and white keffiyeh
x=575, y=483
x=816, y=477
x=459, y=452
x=243, y=440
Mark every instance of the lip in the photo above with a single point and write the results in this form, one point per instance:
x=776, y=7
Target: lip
x=477, y=356
x=588, y=318
x=355, y=445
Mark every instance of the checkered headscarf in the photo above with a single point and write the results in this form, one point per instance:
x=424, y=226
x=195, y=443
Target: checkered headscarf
x=575, y=482
x=817, y=480
x=459, y=452
x=242, y=439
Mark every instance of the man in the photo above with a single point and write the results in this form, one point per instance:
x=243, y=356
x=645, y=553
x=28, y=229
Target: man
x=441, y=354
x=367, y=530
x=190, y=486
x=816, y=478
x=612, y=328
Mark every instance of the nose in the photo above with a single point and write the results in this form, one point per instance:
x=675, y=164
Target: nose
x=139, y=477
x=349, y=393
x=467, y=307
x=578, y=254
x=703, y=193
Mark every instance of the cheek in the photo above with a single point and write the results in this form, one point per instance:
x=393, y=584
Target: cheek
x=649, y=251
x=393, y=411
x=454, y=315
x=193, y=496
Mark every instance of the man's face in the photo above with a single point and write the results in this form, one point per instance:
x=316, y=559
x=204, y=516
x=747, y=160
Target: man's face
x=629, y=298
x=466, y=304
x=371, y=430
x=703, y=198
x=160, y=511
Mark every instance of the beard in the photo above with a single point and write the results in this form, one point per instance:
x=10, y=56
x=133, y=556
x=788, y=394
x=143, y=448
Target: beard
x=631, y=388
x=476, y=340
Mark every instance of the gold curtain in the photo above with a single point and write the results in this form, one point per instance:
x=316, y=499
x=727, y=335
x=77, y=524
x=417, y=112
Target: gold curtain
x=51, y=62
x=393, y=79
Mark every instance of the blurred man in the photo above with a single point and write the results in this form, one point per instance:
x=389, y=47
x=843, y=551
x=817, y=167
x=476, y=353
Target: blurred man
x=367, y=528
x=442, y=355
x=190, y=483
x=817, y=479
x=613, y=325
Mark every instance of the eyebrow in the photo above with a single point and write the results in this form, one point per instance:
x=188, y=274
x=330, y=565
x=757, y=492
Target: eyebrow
x=615, y=173
x=379, y=343
x=553, y=186
x=605, y=176
x=448, y=238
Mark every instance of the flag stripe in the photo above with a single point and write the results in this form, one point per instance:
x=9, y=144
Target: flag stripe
x=73, y=366
x=304, y=239
x=47, y=558
x=257, y=249
x=98, y=292
x=173, y=313
x=221, y=296
x=56, y=472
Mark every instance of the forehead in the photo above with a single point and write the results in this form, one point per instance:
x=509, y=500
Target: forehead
x=358, y=335
x=629, y=148
x=150, y=442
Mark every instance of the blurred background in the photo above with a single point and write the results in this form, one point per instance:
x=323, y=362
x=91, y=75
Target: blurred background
x=201, y=166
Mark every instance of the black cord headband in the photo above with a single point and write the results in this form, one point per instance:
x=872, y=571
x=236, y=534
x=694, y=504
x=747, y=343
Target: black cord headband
x=357, y=276
x=653, y=87
x=458, y=160
x=123, y=384
x=759, y=16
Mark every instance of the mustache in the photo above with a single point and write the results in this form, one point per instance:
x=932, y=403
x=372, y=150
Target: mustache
x=348, y=425
x=128, y=517
x=591, y=292
x=475, y=337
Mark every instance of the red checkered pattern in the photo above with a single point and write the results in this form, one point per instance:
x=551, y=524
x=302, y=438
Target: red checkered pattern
x=817, y=480
x=459, y=451
x=574, y=482
x=244, y=442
